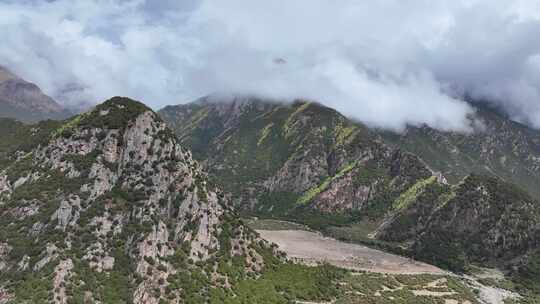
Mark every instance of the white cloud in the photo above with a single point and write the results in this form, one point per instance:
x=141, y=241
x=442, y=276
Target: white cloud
x=388, y=63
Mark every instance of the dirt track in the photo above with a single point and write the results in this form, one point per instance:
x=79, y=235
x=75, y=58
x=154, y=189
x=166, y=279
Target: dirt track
x=311, y=248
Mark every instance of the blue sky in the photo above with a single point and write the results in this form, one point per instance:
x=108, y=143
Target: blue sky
x=387, y=63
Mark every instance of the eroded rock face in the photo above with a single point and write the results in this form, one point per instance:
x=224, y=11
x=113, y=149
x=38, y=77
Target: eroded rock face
x=4, y=185
x=50, y=254
x=4, y=251
x=113, y=193
x=343, y=194
x=5, y=296
x=67, y=212
x=62, y=272
x=26, y=208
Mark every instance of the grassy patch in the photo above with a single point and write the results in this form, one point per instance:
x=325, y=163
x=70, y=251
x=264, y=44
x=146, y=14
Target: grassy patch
x=264, y=133
x=82, y=162
x=16, y=136
x=114, y=113
x=270, y=224
x=376, y=288
x=409, y=196
x=368, y=173
x=345, y=134
x=312, y=193
x=318, y=220
x=287, y=283
x=288, y=123
x=355, y=232
x=276, y=204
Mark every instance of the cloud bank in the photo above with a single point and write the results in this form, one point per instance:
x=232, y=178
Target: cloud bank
x=387, y=63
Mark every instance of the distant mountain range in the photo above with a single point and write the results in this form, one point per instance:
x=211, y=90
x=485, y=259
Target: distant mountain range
x=25, y=101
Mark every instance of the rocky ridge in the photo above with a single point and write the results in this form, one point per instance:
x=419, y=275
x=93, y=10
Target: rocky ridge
x=109, y=208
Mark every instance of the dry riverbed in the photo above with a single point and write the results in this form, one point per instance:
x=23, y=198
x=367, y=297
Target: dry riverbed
x=312, y=247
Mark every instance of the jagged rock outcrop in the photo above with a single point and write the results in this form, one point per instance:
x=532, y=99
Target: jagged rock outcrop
x=109, y=208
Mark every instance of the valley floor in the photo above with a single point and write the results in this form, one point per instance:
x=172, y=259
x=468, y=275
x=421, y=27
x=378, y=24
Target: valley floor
x=312, y=247
x=381, y=277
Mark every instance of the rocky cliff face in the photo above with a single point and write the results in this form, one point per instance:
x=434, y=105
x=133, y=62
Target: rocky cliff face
x=25, y=101
x=303, y=153
x=109, y=208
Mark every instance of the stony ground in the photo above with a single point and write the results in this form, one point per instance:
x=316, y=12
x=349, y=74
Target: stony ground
x=312, y=247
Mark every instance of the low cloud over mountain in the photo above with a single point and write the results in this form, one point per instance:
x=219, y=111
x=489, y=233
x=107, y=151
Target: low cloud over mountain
x=386, y=63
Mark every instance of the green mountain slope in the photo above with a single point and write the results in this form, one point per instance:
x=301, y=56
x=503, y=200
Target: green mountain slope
x=309, y=163
x=482, y=219
x=16, y=136
x=501, y=148
x=108, y=207
x=276, y=158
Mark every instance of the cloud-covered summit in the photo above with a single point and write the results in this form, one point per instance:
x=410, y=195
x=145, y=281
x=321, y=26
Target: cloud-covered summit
x=388, y=63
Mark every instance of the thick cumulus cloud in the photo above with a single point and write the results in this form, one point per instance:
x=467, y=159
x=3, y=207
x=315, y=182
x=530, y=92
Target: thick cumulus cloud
x=388, y=63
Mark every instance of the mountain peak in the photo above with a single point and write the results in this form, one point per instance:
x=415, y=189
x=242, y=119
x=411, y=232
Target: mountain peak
x=25, y=101
x=115, y=113
x=123, y=103
x=111, y=194
x=125, y=107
